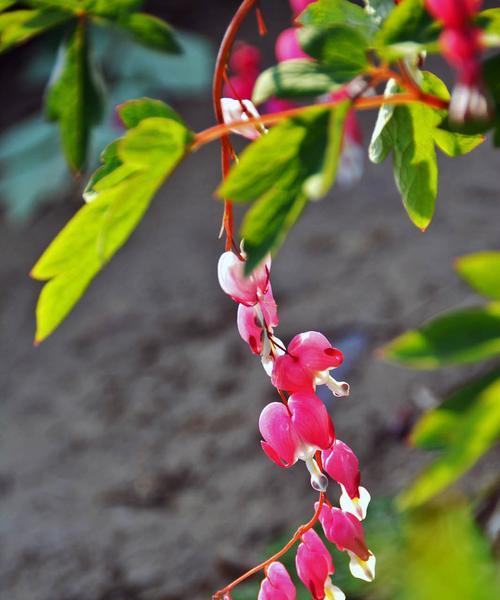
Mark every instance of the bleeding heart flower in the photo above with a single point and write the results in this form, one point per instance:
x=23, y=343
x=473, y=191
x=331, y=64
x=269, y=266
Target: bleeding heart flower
x=314, y=566
x=342, y=466
x=277, y=584
x=455, y=14
x=297, y=431
x=346, y=531
x=307, y=363
x=287, y=46
x=246, y=290
x=256, y=323
x=241, y=110
x=298, y=6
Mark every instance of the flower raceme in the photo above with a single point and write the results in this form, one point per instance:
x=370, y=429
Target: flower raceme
x=346, y=531
x=245, y=290
x=277, y=585
x=296, y=431
x=307, y=363
x=315, y=566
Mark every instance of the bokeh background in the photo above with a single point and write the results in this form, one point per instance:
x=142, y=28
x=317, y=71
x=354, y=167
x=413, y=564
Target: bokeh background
x=130, y=466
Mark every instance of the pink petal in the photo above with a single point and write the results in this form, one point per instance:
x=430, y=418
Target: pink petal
x=275, y=425
x=245, y=59
x=314, y=564
x=289, y=374
x=315, y=352
x=249, y=328
x=277, y=585
x=298, y=6
x=344, y=530
x=454, y=13
x=342, y=466
x=269, y=308
x=311, y=419
x=287, y=46
x=232, y=280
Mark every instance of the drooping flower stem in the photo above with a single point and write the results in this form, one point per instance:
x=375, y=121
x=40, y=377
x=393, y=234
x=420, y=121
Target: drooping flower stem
x=217, y=87
x=291, y=542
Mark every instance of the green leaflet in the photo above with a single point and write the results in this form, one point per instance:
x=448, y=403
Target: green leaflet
x=329, y=13
x=458, y=337
x=440, y=427
x=343, y=49
x=149, y=31
x=411, y=133
x=408, y=29
x=295, y=79
x=119, y=193
x=295, y=161
x=106, y=8
x=476, y=431
x=18, y=26
x=481, y=271
x=74, y=96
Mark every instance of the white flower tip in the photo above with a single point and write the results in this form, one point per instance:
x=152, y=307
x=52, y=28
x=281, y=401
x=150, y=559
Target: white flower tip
x=338, y=388
x=362, y=569
x=469, y=102
x=332, y=592
x=356, y=506
x=241, y=110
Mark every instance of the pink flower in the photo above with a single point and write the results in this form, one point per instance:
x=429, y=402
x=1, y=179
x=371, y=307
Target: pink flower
x=246, y=290
x=454, y=14
x=342, y=466
x=345, y=531
x=299, y=6
x=241, y=110
x=307, y=363
x=245, y=60
x=277, y=105
x=297, y=431
x=314, y=566
x=287, y=45
x=277, y=584
x=254, y=322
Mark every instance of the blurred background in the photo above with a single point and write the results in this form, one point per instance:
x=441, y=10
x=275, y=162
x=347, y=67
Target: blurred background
x=130, y=466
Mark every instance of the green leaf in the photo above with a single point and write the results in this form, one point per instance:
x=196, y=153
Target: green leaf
x=329, y=13
x=481, y=271
x=105, y=8
x=440, y=427
x=457, y=337
x=298, y=78
x=18, y=26
x=489, y=22
x=477, y=430
x=294, y=161
x=74, y=96
x=341, y=48
x=4, y=4
x=135, y=166
x=133, y=112
x=453, y=143
x=411, y=131
x=150, y=31
x=408, y=29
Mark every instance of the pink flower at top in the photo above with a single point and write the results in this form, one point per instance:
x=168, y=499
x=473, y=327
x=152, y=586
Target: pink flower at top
x=287, y=46
x=297, y=431
x=345, y=531
x=342, y=466
x=277, y=584
x=314, y=566
x=455, y=14
x=307, y=363
x=299, y=6
x=246, y=290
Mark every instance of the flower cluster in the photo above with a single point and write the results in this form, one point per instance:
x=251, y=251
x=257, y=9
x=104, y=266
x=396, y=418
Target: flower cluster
x=298, y=427
x=236, y=105
x=462, y=47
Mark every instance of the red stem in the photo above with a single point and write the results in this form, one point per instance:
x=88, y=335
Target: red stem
x=217, y=88
x=295, y=538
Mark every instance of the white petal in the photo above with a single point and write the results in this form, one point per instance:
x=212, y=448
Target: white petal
x=355, y=506
x=339, y=388
x=332, y=592
x=236, y=110
x=362, y=569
